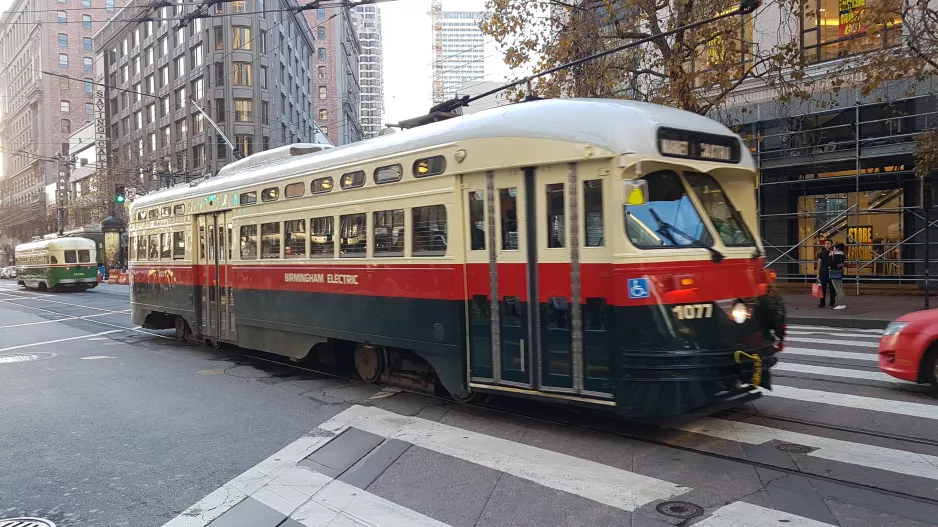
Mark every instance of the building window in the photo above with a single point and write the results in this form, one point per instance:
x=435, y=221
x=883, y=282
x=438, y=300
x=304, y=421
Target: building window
x=148, y=57
x=241, y=37
x=88, y=63
x=322, y=53
x=164, y=138
x=243, y=109
x=136, y=38
x=136, y=65
x=180, y=98
x=264, y=77
x=179, y=36
x=261, y=8
x=137, y=94
x=219, y=74
x=125, y=74
x=151, y=84
x=322, y=73
x=87, y=44
x=197, y=56
x=220, y=110
x=238, y=6
x=322, y=92
x=198, y=155
x=138, y=120
x=89, y=85
x=89, y=108
x=832, y=29
x=63, y=60
x=321, y=33
x=151, y=113
x=86, y=21
x=109, y=5
x=241, y=74
x=63, y=40
x=323, y=114
x=245, y=143
x=65, y=126
x=164, y=107
x=180, y=130
x=65, y=106
x=198, y=123
x=321, y=14
x=63, y=17
x=265, y=112
x=266, y=142
x=180, y=66
x=219, y=38
x=263, y=42
x=164, y=46
x=198, y=89
x=164, y=76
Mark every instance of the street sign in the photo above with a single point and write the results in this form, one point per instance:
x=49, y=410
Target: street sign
x=131, y=194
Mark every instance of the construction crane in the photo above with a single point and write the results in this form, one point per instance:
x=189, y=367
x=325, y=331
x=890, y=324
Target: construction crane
x=436, y=17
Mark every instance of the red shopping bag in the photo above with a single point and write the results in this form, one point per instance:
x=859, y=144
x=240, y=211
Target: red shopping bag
x=816, y=291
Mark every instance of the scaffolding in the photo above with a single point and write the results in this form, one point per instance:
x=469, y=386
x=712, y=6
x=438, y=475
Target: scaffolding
x=844, y=174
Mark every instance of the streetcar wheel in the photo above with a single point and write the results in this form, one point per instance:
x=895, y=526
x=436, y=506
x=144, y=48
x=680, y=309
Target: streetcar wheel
x=369, y=363
x=466, y=397
x=43, y=286
x=182, y=328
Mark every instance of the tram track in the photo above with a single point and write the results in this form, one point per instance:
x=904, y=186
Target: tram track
x=586, y=419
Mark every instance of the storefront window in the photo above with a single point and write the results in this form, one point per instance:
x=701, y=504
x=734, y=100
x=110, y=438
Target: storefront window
x=838, y=28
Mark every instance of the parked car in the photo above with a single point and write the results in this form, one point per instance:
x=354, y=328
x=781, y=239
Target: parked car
x=908, y=349
x=8, y=272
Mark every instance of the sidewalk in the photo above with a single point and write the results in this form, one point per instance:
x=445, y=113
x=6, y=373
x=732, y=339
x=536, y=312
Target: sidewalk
x=863, y=312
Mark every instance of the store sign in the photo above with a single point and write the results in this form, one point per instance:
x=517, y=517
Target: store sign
x=100, y=128
x=860, y=235
x=850, y=12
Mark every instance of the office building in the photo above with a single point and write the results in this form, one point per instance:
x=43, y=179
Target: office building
x=338, y=93
x=371, y=68
x=38, y=111
x=458, y=51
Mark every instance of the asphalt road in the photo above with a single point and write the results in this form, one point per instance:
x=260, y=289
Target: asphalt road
x=104, y=424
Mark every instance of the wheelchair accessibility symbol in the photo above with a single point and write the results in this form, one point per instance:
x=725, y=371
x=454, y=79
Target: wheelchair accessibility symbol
x=638, y=288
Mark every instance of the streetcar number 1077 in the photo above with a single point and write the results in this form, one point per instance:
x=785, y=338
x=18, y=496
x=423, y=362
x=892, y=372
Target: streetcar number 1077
x=692, y=311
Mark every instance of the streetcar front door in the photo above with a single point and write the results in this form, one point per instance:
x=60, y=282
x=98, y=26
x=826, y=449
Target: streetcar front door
x=216, y=312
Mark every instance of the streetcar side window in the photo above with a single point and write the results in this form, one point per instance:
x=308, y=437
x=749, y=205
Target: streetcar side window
x=353, y=179
x=84, y=256
x=141, y=215
x=248, y=198
x=141, y=247
x=388, y=229
x=270, y=194
x=165, y=211
x=354, y=233
x=179, y=210
x=166, y=246
x=295, y=190
x=321, y=243
x=508, y=209
x=270, y=240
x=429, y=228
x=477, y=220
x=249, y=242
x=321, y=185
x=294, y=234
x=71, y=257
x=388, y=174
x=593, y=212
x=430, y=166
x=154, y=252
x=555, y=216
x=179, y=245
x=153, y=214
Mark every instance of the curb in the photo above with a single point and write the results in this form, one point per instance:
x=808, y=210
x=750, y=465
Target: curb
x=852, y=323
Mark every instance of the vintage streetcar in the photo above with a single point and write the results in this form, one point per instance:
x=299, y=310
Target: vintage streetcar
x=57, y=264
x=585, y=251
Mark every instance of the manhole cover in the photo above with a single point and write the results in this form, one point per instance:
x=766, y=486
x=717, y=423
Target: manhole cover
x=16, y=358
x=25, y=522
x=679, y=509
x=792, y=448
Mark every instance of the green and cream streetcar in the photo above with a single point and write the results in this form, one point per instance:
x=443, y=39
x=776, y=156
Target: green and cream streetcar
x=60, y=263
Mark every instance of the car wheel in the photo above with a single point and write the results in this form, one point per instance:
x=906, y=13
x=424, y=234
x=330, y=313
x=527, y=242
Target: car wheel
x=930, y=368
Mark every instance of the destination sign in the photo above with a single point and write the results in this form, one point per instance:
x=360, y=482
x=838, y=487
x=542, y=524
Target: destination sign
x=698, y=145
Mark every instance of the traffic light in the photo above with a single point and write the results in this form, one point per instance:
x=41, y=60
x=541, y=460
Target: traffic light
x=119, y=196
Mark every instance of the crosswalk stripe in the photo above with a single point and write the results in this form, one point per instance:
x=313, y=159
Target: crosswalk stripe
x=602, y=483
x=834, y=336
x=860, y=454
x=834, y=329
x=834, y=372
x=830, y=354
x=742, y=514
x=833, y=342
x=925, y=411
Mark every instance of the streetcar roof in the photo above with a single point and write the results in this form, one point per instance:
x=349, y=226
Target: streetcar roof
x=615, y=125
x=57, y=244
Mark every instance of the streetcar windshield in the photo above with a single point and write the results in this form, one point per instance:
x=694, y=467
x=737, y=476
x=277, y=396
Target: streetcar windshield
x=716, y=204
x=667, y=218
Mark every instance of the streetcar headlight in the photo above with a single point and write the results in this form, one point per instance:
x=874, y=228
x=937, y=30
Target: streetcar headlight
x=894, y=327
x=740, y=313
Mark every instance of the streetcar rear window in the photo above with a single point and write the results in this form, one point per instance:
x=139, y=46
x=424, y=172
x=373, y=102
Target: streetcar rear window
x=389, y=174
x=353, y=179
x=429, y=230
x=295, y=190
x=430, y=166
x=71, y=257
x=270, y=194
x=84, y=256
x=248, y=198
x=321, y=185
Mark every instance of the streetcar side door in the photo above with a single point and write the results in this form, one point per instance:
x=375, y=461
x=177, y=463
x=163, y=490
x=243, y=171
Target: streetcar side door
x=215, y=311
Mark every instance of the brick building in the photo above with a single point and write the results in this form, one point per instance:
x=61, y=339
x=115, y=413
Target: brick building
x=38, y=111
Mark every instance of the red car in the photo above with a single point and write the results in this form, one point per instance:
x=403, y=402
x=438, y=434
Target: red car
x=908, y=348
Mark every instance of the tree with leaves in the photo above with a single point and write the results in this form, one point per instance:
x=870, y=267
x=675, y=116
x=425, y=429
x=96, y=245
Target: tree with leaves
x=701, y=69
x=96, y=201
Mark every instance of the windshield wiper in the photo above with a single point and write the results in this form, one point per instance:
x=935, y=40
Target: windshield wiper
x=666, y=229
